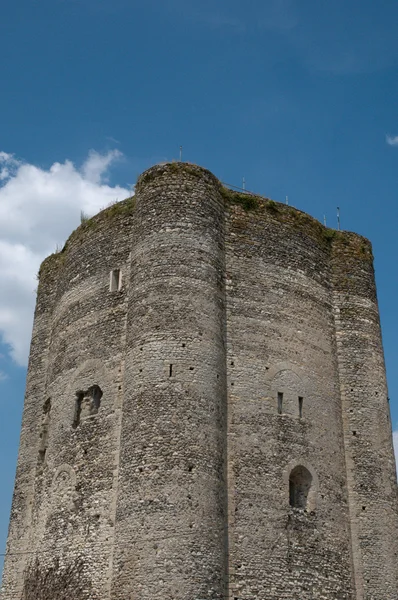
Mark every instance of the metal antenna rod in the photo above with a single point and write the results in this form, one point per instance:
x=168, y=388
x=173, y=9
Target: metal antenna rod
x=338, y=218
x=243, y=184
x=324, y=220
x=180, y=153
x=287, y=199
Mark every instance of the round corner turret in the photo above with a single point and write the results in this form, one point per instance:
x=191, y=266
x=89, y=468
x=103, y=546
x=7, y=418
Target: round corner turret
x=173, y=169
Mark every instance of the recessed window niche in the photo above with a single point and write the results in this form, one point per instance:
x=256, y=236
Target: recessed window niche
x=87, y=403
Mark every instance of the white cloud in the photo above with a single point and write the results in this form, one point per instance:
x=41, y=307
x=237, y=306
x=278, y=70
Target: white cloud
x=3, y=376
x=8, y=165
x=7, y=158
x=392, y=140
x=97, y=164
x=39, y=209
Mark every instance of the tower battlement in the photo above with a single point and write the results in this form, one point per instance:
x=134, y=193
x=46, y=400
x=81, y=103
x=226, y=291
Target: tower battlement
x=206, y=411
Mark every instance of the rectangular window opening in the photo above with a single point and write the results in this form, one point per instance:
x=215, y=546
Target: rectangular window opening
x=115, y=280
x=171, y=371
x=300, y=402
x=280, y=403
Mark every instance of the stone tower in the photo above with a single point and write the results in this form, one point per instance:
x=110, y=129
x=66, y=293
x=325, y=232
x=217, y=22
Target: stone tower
x=206, y=412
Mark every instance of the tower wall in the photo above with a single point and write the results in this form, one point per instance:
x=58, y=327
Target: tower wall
x=206, y=408
x=74, y=457
x=170, y=536
x=370, y=459
x=20, y=531
x=281, y=341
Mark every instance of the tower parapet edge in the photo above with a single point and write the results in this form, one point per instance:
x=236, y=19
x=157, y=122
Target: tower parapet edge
x=371, y=473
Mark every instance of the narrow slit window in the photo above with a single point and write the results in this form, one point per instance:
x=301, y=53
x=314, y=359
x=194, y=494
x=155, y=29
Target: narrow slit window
x=171, y=371
x=300, y=403
x=115, y=280
x=78, y=408
x=44, y=430
x=280, y=403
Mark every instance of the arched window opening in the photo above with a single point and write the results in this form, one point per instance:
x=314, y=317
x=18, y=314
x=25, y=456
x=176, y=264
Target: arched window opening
x=300, y=481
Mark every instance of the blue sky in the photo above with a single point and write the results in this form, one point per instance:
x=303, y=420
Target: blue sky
x=297, y=96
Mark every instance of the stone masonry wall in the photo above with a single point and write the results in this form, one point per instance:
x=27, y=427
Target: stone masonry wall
x=18, y=544
x=281, y=340
x=171, y=526
x=70, y=525
x=371, y=471
x=206, y=409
